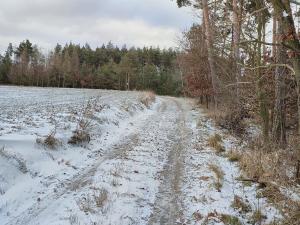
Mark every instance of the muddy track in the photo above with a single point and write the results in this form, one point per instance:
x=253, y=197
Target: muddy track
x=168, y=205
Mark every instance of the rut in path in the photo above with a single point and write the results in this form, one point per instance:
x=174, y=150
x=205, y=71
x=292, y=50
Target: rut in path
x=168, y=205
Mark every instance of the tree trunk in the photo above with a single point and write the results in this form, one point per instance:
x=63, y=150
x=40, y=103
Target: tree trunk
x=213, y=74
x=274, y=37
x=291, y=40
x=264, y=113
x=279, y=131
x=236, y=49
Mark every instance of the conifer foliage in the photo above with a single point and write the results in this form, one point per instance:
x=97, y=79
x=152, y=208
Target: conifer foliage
x=106, y=67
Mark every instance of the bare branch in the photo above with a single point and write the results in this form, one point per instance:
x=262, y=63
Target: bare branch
x=270, y=66
x=238, y=83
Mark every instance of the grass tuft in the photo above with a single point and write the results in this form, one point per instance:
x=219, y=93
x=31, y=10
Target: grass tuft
x=219, y=175
x=215, y=142
x=240, y=205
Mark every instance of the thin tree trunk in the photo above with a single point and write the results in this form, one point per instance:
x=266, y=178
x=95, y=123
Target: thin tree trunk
x=274, y=36
x=264, y=113
x=279, y=131
x=209, y=44
x=236, y=49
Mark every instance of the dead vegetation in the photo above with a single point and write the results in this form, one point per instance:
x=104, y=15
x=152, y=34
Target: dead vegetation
x=269, y=163
x=147, y=98
x=233, y=155
x=216, y=143
x=257, y=217
x=49, y=141
x=230, y=119
x=86, y=204
x=219, y=176
x=89, y=203
x=100, y=197
x=81, y=134
x=240, y=205
x=216, y=217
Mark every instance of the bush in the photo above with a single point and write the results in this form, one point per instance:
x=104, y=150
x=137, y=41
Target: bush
x=232, y=121
x=49, y=141
x=79, y=137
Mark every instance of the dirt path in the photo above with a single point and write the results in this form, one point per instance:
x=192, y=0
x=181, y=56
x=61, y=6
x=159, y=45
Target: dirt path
x=168, y=204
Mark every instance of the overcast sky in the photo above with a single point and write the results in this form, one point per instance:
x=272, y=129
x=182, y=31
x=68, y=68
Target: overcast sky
x=131, y=22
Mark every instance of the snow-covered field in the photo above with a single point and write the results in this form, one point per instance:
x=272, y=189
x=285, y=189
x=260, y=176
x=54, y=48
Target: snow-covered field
x=142, y=165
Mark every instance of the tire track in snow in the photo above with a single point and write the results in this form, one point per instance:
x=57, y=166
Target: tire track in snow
x=168, y=205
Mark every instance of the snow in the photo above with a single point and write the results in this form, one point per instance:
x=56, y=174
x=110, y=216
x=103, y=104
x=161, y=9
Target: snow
x=202, y=197
x=151, y=163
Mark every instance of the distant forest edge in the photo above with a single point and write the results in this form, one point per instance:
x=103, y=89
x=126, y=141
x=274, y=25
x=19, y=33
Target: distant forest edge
x=106, y=67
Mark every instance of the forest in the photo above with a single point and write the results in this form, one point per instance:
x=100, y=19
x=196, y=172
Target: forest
x=245, y=57
x=106, y=67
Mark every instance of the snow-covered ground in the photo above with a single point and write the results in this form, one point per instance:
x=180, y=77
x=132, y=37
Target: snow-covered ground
x=143, y=165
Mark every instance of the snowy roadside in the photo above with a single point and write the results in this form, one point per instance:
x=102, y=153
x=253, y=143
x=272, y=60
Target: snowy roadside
x=212, y=190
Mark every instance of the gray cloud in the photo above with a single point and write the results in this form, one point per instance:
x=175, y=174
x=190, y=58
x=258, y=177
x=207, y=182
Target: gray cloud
x=132, y=22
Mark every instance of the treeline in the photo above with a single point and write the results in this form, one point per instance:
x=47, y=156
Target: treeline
x=227, y=62
x=106, y=67
x=247, y=75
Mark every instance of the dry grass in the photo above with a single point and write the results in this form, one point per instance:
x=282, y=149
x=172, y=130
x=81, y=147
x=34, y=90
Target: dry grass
x=85, y=204
x=49, y=141
x=233, y=156
x=100, y=197
x=275, y=168
x=219, y=175
x=257, y=217
x=269, y=163
x=215, y=142
x=230, y=220
x=224, y=218
x=240, y=205
x=147, y=98
x=229, y=119
x=79, y=137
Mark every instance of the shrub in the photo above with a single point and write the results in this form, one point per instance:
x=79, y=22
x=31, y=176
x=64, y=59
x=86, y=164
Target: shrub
x=233, y=121
x=79, y=137
x=49, y=141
